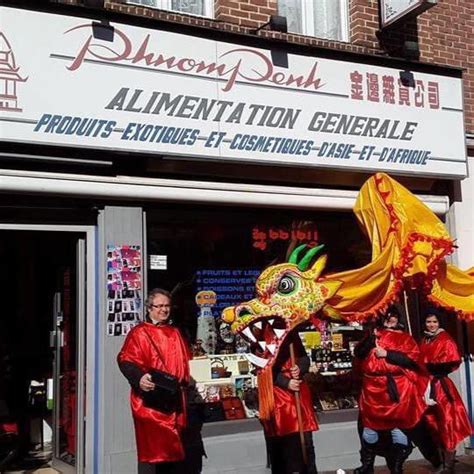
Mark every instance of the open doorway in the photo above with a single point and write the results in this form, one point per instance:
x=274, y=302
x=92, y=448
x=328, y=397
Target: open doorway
x=39, y=350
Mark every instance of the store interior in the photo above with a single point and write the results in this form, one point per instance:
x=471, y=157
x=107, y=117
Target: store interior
x=37, y=403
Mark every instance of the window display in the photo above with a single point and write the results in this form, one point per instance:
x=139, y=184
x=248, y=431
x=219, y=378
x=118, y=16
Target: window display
x=332, y=382
x=214, y=257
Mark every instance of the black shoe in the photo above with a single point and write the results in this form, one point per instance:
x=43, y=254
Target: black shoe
x=398, y=455
x=367, y=458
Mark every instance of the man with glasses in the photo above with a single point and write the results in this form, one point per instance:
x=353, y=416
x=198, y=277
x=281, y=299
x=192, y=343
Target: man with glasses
x=150, y=347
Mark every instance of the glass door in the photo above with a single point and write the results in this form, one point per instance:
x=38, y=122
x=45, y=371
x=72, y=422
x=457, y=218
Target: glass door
x=66, y=339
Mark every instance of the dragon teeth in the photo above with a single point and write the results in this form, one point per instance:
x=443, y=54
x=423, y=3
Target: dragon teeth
x=271, y=321
x=271, y=348
x=247, y=332
x=258, y=361
x=262, y=344
x=279, y=333
x=258, y=324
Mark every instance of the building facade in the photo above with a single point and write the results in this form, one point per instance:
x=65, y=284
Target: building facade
x=188, y=145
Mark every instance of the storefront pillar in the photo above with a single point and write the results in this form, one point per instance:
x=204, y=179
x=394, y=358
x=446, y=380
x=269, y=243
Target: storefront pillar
x=115, y=450
x=461, y=223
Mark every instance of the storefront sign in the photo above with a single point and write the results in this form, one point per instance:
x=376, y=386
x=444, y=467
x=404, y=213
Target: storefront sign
x=168, y=94
x=394, y=11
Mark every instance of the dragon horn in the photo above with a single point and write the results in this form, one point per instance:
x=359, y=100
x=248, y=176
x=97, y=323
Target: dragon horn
x=295, y=254
x=304, y=263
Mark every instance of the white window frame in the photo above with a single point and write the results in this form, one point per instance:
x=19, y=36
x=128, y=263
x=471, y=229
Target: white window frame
x=307, y=13
x=166, y=5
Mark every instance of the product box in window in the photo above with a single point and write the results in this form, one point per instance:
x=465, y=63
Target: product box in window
x=310, y=339
x=226, y=390
x=352, y=345
x=212, y=393
x=347, y=402
x=337, y=342
x=328, y=401
x=242, y=384
x=233, y=408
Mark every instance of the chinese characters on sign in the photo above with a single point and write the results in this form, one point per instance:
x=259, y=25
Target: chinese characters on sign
x=389, y=89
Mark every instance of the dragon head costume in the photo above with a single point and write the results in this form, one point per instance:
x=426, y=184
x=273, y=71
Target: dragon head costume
x=288, y=295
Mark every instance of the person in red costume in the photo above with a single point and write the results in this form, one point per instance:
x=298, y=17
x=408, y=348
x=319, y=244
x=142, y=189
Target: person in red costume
x=446, y=416
x=156, y=344
x=282, y=431
x=390, y=399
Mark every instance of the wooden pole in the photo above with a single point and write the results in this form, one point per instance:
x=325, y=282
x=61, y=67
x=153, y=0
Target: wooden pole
x=298, y=411
x=405, y=300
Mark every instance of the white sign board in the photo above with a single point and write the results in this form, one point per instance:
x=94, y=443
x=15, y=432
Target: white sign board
x=163, y=93
x=158, y=262
x=392, y=11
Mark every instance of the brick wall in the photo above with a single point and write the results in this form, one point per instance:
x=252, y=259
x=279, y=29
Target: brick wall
x=247, y=13
x=444, y=32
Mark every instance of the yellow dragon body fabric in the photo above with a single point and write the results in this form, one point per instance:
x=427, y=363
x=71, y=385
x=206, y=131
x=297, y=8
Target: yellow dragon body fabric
x=409, y=246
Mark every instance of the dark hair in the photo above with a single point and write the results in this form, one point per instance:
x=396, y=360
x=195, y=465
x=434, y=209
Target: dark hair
x=436, y=312
x=393, y=311
x=432, y=311
x=155, y=292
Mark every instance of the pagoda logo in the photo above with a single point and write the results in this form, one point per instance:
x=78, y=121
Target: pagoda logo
x=9, y=77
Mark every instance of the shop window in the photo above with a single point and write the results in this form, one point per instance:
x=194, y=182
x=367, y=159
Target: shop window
x=326, y=19
x=190, y=7
x=210, y=257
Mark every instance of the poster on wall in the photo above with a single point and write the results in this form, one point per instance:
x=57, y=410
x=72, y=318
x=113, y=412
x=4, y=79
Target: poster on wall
x=216, y=289
x=124, y=282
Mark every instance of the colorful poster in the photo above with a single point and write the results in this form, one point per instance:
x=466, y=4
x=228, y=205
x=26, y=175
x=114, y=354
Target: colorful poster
x=124, y=282
x=216, y=289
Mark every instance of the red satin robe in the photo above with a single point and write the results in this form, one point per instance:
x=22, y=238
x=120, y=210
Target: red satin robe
x=378, y=411
x=157, y=434
x=447, y=420
x=285, y=417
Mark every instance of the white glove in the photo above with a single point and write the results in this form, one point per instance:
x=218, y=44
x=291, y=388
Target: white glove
x=429, y=401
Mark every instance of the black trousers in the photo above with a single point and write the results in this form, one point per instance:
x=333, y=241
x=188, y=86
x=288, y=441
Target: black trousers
x=286, y=455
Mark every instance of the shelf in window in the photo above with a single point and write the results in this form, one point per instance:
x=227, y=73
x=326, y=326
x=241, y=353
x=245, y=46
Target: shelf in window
x=346, y=328
x=333, y=373
x=215, y=381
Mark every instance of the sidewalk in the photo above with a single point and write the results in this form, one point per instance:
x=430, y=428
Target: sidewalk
x=465, y=465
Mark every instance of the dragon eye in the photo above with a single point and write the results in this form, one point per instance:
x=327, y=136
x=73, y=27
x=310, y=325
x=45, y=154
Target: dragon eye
x=286, y=285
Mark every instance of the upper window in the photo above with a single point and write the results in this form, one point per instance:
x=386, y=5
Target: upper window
x=320, y=18
x=191, y=7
